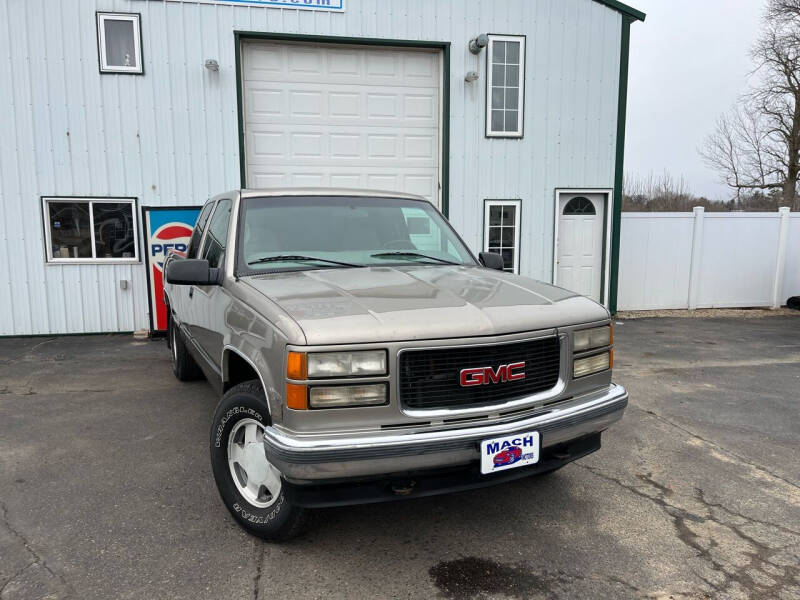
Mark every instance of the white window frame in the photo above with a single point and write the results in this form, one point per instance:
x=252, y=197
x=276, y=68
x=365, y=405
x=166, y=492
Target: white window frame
x=135, y=19
x=487, y=204
x=51, y=260
x=518, y=133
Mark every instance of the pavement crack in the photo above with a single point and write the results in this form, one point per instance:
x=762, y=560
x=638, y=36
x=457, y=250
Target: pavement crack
x=37, y=558
x=14, y=577
x=259, y=567
x=738, y=457
x=700, y=497
x=28, y=352
x=758, y=554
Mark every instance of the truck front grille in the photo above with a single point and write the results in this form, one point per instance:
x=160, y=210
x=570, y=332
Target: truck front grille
x=431, y=378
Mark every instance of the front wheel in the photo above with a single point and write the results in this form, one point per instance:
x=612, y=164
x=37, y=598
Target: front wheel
x=250, y=487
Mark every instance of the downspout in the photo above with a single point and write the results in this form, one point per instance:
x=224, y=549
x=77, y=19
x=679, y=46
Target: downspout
x=619, y=171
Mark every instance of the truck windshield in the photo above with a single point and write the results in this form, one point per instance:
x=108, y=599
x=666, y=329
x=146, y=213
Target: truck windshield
x=290, y=233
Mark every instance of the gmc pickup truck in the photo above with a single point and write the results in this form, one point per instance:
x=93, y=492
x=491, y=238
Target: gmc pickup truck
x=363, y=354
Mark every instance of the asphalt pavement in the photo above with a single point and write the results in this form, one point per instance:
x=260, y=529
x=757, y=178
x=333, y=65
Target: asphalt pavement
x=106, y=489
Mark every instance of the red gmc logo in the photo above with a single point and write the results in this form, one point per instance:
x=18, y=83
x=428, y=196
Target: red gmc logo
x=483, y=375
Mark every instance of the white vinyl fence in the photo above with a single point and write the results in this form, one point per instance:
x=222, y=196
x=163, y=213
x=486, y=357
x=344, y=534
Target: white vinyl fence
x=708, y=260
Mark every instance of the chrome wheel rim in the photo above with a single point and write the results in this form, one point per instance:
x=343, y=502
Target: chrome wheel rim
x=254, y=477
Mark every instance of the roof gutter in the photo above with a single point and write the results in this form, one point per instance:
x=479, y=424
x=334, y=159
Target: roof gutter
x=626, y=10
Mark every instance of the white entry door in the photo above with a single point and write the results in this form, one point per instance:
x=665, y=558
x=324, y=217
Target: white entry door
x=328, y=115
x=579, y=256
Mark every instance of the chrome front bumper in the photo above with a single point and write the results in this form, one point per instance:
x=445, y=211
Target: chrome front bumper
x=314, y=458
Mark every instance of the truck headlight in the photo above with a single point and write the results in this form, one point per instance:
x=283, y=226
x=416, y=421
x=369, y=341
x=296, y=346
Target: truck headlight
x=339, y=396
x=320, y=365
x=346, y=364
x=596, y=337
x=591, y=364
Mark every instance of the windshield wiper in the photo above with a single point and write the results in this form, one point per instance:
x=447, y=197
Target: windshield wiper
x=299, y=258
x=412, y=255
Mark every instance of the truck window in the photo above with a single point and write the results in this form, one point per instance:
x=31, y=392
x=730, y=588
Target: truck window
x=214, y=246
x=197, y=232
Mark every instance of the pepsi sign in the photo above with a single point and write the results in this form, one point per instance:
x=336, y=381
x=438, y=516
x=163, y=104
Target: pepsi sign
x=167, y=230
x=170, y=237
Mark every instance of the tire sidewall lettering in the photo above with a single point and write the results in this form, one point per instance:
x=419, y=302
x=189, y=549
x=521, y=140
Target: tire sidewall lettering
x=259, y=519
x=233, y=412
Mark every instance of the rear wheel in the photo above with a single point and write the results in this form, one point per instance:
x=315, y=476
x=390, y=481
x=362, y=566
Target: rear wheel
x=183, y=365
x=251, y=488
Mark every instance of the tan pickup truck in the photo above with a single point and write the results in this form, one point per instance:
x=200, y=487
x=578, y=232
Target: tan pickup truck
x=364, y=354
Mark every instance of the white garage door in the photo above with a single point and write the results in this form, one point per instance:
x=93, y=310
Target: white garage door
x=324, y=115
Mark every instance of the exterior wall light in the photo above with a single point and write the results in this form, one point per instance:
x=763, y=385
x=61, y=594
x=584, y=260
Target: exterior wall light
x=477, y=44
x=212, y=65
x=471, y=76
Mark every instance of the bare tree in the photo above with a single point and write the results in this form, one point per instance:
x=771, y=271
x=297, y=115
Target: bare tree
x=756, y=146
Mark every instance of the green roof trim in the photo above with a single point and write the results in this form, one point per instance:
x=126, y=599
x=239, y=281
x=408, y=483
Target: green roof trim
x=624, y=9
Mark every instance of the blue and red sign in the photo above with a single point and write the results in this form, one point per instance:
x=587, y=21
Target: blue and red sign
x=168, y=230
x=510, y=451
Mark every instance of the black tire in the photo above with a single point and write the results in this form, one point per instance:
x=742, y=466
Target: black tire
x=280, y=520
x=183, y=365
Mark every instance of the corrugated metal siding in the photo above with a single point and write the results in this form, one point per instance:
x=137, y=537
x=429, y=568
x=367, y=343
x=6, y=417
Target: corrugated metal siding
x=170, y=137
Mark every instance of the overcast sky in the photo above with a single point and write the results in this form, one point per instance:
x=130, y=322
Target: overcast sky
x=689, y=63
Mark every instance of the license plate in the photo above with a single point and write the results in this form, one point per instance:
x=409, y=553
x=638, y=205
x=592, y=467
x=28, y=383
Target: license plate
x=510, y=452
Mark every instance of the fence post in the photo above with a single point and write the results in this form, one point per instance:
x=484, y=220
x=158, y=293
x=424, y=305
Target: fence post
x=780, y=263
x=697, y=253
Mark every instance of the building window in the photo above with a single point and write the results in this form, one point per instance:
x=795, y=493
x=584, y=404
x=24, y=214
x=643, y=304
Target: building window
x=579, y=206
x=505, y=85
x=119, y=43
x=90, y=230
x=501, y=231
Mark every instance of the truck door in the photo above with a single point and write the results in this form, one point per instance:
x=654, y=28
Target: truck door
x=179, y=294
x=210, y=302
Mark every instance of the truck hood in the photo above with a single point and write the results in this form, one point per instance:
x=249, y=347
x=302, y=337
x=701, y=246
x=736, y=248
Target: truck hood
x=416, y=302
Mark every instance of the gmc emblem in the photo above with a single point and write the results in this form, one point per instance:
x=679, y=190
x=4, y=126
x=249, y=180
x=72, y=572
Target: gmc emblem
x=483, y=375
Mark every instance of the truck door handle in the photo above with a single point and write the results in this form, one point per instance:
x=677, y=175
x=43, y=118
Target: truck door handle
x=191, y=291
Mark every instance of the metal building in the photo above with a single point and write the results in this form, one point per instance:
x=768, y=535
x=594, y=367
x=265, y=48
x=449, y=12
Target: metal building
x=508, y=114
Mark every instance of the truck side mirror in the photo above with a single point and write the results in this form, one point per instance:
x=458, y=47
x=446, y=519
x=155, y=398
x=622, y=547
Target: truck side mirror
x=491, y=260
x=191, y=271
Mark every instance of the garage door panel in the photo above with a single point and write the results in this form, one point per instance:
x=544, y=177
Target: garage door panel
x=267, y=180
x=306, y=103
x=343, y=105
x=307, y=145
x=306, y=61
x=296, y=63
x=346, y=146
x=404, y=180
x=268, y=144
x=264, y=61
x=383, y=106
x=347, y=180
x=325, y=115
x=420, y=107
x=328, y=104
x=340, y=145
x=383, y=146
x=419, y=67
x=345, y=64
x=265, y=104
x=424, y=185
x=421, y=147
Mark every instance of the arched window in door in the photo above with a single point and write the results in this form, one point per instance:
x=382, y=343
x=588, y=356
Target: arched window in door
x=579, y=205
